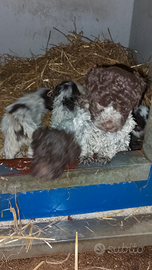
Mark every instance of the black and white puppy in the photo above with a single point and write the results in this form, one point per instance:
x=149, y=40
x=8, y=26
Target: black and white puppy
x=140, y=116
x=53, y=150
x=65, y=101
x=22, y=118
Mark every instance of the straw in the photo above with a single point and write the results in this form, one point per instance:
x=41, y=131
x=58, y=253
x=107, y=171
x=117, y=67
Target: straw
x=62, y=62
x=76, y=251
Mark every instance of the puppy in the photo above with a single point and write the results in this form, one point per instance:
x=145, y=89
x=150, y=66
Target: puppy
x=112, y=92
x=65, y=101
x=22, y=118
x=53, y=150
x=140, y=116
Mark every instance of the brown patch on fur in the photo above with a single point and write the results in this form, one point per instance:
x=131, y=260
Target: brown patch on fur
x=113, y=85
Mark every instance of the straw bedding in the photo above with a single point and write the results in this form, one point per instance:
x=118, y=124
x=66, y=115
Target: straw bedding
x=62, y=62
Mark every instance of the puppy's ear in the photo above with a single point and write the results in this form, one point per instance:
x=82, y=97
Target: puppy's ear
x=70, y=100
x=142, y=82
x=59, y=87
x=75, y=89
x=48, y=99
x=56, y=90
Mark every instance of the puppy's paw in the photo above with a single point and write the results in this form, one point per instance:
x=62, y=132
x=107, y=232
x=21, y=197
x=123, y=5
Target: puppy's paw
x=86, y=160
x=102, y=160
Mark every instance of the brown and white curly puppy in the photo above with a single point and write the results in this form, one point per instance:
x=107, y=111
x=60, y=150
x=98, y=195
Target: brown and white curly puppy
x=53, y=150
x=112, y=92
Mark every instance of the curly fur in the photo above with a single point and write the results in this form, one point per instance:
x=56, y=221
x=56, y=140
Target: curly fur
x=93, y=140
x=112, y=92
x=89, y=136
x=22, y=118
x=53, y=150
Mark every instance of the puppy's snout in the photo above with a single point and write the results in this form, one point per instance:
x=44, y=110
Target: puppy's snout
x=109, y=126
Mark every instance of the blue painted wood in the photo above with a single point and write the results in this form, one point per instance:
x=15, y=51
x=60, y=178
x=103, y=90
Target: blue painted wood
x=78, y=200
x=5, y=170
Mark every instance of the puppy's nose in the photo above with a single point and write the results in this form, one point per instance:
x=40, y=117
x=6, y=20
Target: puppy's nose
x=109, y=126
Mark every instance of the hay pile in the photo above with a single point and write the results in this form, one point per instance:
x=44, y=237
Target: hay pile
x=19, y=233
x=63, y=62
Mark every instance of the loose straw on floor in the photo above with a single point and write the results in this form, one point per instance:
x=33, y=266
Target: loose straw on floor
x=76, y=251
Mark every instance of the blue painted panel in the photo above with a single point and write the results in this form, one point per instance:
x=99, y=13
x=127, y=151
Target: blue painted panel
x=5, y=170
x=79, y=200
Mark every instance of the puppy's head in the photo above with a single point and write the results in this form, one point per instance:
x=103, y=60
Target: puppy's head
x=68, y=92
x=53, y=150
x=112, y=92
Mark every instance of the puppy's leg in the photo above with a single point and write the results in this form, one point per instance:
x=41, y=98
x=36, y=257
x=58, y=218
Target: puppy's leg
x=86, y=156
x=86, y=160
x=13, y=134
x=102, y=160
x=11, y=147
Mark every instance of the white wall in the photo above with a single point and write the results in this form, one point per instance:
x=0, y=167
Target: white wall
x=25, y=24
x=141, y=29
